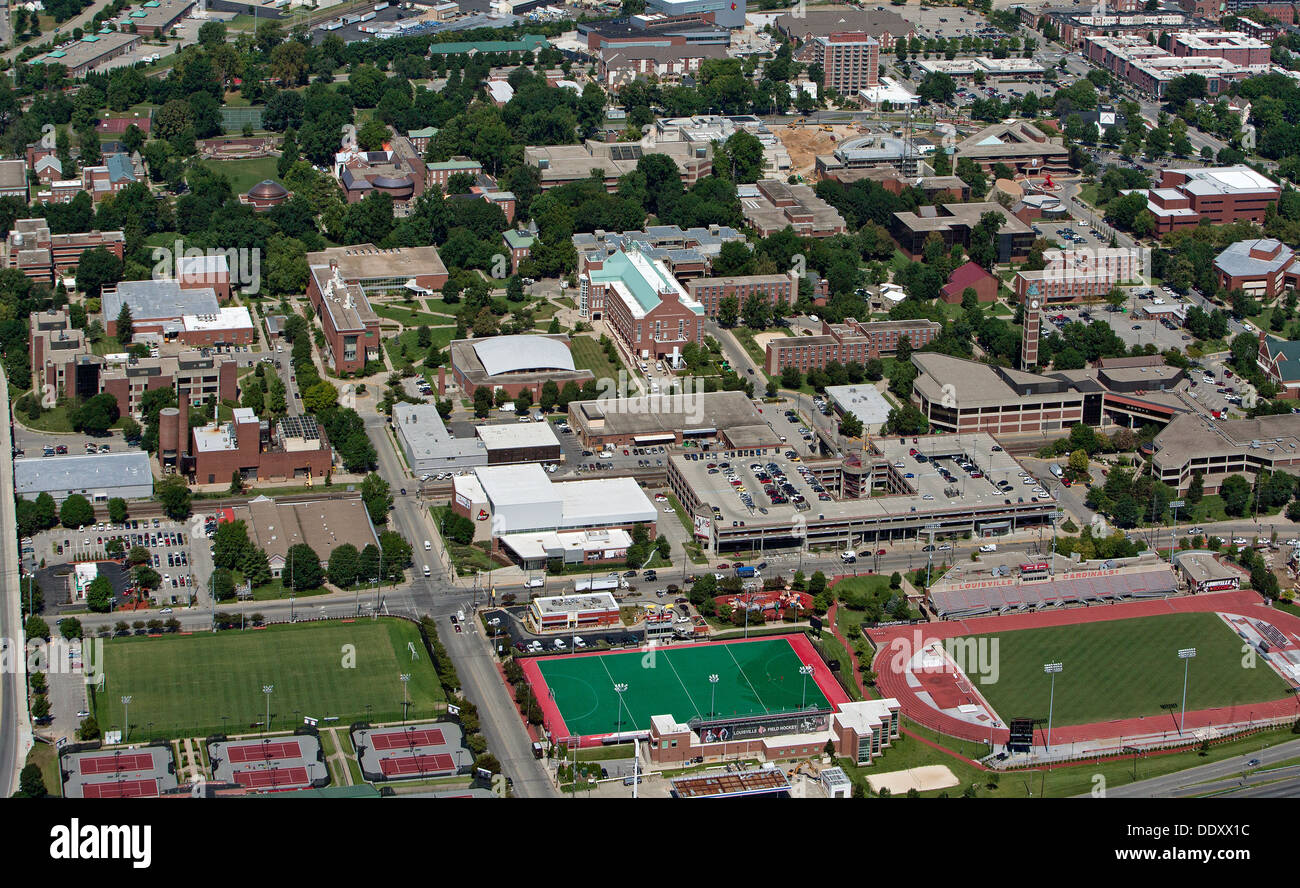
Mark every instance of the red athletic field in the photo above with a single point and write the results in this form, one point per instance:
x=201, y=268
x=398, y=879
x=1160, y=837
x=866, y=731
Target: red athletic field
x=893, y=684
x=121, y=789
x=407, y=739
x=275, y=777
x=112, y=764
x=401, y=766
x=265, y=752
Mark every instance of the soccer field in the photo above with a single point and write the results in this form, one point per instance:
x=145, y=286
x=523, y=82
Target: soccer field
x=182, y=685
x=754, y=678
x=1125, y=668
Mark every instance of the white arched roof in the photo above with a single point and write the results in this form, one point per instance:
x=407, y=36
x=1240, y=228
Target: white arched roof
x=516, y=354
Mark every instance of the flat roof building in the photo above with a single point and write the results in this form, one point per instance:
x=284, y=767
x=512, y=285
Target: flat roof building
x=98, y=477
x=323, y=524
x=641, y=301
x=1262, y=268
x=954, y=224
x=1219, y=194
x=1193, y=444
x=1019, y=145
x=853, y=341
x=563, y=164
x=157, y=306
x=771, y=205
x=91, y=51
x=717, y=420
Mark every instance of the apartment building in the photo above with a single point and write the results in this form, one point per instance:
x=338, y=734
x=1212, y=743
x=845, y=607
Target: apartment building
x=43, y=256
x=849, y=342
x=1220, y=194
x=850, y=61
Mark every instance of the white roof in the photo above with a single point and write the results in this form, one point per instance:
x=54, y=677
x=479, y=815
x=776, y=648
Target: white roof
x=230, y=318
x=91, y=472
x=518, y=434
x=201, y=264
x=516, y=354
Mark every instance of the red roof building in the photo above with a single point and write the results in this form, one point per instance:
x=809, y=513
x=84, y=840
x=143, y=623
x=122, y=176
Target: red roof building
x=970, y=275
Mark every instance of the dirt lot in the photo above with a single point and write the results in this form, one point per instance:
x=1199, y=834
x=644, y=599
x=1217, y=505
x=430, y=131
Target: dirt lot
x=805, y=142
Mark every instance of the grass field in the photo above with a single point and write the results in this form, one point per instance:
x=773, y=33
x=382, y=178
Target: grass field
x=244, y=174
x=1124, y=669
x=755, y=677
x=183, y=685
x=589, y=355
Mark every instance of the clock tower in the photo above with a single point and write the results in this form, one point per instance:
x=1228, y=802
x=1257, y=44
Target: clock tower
x=1033, y=320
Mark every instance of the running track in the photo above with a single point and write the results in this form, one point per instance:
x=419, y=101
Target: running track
x=1245, y=603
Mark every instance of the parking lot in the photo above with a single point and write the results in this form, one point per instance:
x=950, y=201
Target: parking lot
x=1131, y=330
x=183, y=563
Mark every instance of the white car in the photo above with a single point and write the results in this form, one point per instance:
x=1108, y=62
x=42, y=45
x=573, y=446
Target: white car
x=1239, y=541
x=1293, y=542
x=989, y=547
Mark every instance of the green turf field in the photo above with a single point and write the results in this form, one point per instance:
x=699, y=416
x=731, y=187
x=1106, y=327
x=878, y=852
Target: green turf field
x=184, y=684
x=754, y=678
x=1124, y=669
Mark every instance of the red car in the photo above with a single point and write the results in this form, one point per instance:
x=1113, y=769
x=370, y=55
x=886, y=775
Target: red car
x=723, y=566
x=880, y=552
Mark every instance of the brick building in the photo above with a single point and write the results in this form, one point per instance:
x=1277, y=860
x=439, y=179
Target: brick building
x=1262, y=269
x=851, y=341
x=1079, y=275
x=641, y=301
x=850, y=60
x=953, y=223
x=340, y=283
x=1220, y=194
x=294, y=448
x=196, y=375
x=43, y=256
x=777, y=290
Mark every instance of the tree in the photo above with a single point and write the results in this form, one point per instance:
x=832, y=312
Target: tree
x=1078, y=465
x=35, y=627
x=1235, y=492
x=70, y=628
x=850, y=426
x=76, y=512
x=302, y=565
x=482, y=402
x=377, y=496
x=99, y=595
x=117, y=510
x=321, y=396
x=96, y=414
x=174, y=495
x=230, y=542
x=96, y=269
x=396, y=552
x=344, y=565
x=31, y=782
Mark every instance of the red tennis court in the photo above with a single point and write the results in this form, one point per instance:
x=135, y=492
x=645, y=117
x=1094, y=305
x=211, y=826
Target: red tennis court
x=401, y=766
x=108, y=764
x=405, y=739
x=265, y=752
x=273, y=777
x=121, y=789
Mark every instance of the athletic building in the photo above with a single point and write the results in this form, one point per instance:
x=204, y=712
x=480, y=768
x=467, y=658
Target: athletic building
x=595, y=610
x=515, y=364
x=1193, y=444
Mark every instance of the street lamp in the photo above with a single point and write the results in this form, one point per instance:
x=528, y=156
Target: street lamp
x=405, y=678
x=805, y=671
x=1051, y=669
x=267, y=690
x=713, y=695
x=1186, y=655
x=126, y=716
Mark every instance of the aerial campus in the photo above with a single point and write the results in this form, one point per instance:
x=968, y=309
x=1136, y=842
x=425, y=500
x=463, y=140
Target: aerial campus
x=649, y=399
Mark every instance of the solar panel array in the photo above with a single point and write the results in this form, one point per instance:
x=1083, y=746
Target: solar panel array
x=300, y=427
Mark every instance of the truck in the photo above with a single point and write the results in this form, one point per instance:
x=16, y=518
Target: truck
x=1056, y=470
x=598, y=584
x=746, y=572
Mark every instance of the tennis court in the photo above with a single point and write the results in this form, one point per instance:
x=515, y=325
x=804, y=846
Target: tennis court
x=111, y=764
x=758, y=677
x=121, y=789
x=265, y=752
x=405, y=765
x=408, y=739
x=273, y=777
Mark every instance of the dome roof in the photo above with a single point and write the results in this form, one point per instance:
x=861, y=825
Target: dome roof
x=268, y=189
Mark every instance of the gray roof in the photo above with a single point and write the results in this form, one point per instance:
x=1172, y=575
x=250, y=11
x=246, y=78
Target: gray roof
x=426, y=437
x=1236, y=260
x=150, y=300
x=99, y=472
x=516, y=354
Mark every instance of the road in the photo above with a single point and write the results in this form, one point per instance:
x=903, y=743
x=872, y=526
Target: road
x=15, y=727
x=1203, y=777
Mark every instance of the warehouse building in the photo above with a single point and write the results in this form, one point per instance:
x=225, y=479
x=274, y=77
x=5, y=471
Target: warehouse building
x=430, y=447
x=98, y=477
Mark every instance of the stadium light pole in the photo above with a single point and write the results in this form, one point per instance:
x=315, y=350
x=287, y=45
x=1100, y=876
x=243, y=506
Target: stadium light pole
x=1173, y=531
x=713, y=695
x=405, y=679
x=126, y=715
x=1186, y=655
x=1051, y=669
x=619, y=688
x=805, y=671
x=267, y=690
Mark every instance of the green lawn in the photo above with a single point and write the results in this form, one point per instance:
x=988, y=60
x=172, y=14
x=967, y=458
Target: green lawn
x=411, y=317
x=56, y=419
x=183, y=685
x=755, y=677
x=244, y=174
x=589, y=355
x=1124, y=669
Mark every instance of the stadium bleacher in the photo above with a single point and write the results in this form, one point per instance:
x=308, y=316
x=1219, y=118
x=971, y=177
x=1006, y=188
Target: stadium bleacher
x=957, y=603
